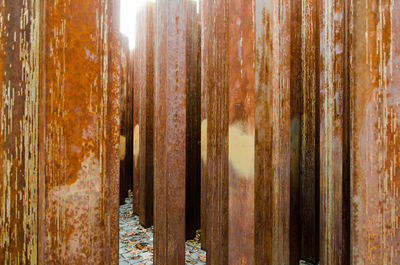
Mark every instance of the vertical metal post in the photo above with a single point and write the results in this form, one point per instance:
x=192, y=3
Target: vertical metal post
x=309, y=176
x=193, y=122
x=19, y=95
x=146, y=138
x=79, y=132
x=334, y=156
x=170, y=131
x=375, y=112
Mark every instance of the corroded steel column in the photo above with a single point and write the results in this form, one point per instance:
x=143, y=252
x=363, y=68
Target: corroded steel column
x=146, y=120
x=193, y=122
x=277, y=128
x=125, y=179
x=170, y=131
x=215, y=128
x=309, y=176
x=19, y=81
x=375, y=147
x=204, y=106
x=334, y=156
x=136, y=116
x=79, y=132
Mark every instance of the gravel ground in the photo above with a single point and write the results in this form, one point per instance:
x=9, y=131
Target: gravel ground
x=136, y=242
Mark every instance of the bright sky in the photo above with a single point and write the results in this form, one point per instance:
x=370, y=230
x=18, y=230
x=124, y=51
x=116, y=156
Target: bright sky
x=128, y=18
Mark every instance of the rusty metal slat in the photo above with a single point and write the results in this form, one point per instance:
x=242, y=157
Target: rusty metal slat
x=170, y=131
x=124, y=163
x=277, y=132
x=137, y=76
x=241, y=133
x=215, y=129
x=375, y=112
x=309, y=176
x=193, y=122
x=146, y=139
x=79, y=133
x=204, y=109
x=19, y=72
x=334, y=170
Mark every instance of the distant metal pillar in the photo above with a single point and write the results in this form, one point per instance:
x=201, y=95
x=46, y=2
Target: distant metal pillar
x=375, y=132
x=19, y=92
x=137, y=76
x=79, y=132
x=193, y=122
x=146, y=133
x=204, y=204
x=334, y=128
x=309, y=170
x=170, y=131
x=125, y=178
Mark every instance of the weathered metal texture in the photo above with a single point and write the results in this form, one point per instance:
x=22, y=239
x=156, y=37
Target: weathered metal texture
x=193, y=122
x=334, y=152
x=79, y=132
x=241, y=147
x=204, y=108
x=19, y=73
x=113, y=131
x=375, y=112
x=146, y=121
x=126, y=142
x=215, y=128
x=309, y=176
x=170, y=131
x=137, y=76
x=125, y=178
x=277, y=83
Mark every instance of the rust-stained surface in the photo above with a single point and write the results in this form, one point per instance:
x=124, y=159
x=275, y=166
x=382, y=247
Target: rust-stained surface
x=241, y=147
x=170, y=131
x=309, y=174
x=79, y=132
x=276, y=122
x=137, y=75
x=19, y=74
x=193, y=122
x=334, y=170
x=215, y=66
x=204, y=203
x=125, y=139
x=145, y=82
x=375, y=110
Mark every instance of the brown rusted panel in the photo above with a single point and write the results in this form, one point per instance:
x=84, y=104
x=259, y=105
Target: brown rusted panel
x=125, y=179
x=114, y=128
x=277, y=128
x=334, y=178
x=309, y=176
x=215, y=136
x=19, y=80
x=137, y=76
x=375, y=112
x=170, y=131
x=193, y=122
x=241, y=98
x=204, y=107
x=146, y=121
x=79, y=132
